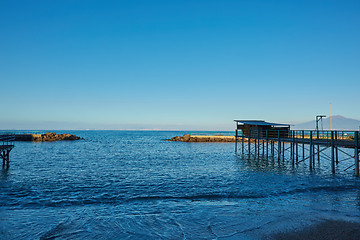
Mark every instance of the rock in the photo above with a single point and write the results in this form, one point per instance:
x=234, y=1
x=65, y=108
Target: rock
x=200, y=138
x=47, y=137
x=186, y=138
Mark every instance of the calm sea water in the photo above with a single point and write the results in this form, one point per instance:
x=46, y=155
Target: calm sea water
x=136, y=185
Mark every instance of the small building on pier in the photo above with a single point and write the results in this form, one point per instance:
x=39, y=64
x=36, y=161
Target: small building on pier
x=260, y=128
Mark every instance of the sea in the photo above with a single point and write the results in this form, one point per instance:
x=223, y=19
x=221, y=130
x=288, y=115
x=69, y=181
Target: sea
x=137, y=185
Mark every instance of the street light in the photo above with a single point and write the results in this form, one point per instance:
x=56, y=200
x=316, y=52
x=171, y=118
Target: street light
x=319, y=118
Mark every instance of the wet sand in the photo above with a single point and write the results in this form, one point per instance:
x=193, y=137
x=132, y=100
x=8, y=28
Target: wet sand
x=327, y=229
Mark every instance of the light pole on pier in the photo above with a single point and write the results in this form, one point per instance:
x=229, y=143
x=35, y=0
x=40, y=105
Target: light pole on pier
x=319, y=118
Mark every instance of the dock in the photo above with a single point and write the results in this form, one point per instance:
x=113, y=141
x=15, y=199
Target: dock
x=257, y=138
x=7, y=144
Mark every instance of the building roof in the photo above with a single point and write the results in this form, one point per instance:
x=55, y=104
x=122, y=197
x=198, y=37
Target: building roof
x=259, y=123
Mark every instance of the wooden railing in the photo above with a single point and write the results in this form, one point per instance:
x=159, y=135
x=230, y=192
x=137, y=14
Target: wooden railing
x=7, y=139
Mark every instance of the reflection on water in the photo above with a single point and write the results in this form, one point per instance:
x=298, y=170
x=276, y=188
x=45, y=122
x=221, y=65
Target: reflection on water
x=266, y=164
x=4, y=172
x=301, y=164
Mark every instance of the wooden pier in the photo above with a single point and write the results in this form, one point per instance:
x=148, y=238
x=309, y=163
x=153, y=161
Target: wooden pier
x=7, y=144
x=271, y=140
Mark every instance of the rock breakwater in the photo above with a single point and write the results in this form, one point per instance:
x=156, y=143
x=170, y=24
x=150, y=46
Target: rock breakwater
x=197, y=138
x=47, y=137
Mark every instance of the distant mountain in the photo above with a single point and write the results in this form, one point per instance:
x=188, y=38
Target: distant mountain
x=338, y=123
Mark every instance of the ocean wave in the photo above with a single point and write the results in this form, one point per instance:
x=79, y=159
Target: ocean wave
x=106, y=198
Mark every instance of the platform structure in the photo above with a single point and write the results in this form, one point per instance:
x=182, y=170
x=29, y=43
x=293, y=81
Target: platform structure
x=256, y=138
x=6, y=145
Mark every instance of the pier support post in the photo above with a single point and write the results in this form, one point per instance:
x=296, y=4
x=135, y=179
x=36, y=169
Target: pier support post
x=311, y=151
x=303, y=145
x=249, y=142
x=267, y=144
x=279, y=145
x=356, y=138
x=314, y=155
x=7, y=158
x=293, y=149
x=5, y=155
x=332, y=153
x=255, y=145
x=336, y=148
x=273, y=150
x=236, y=140
x=297, y=150
x=318, y=146
x=242, y=143
x=258, y=139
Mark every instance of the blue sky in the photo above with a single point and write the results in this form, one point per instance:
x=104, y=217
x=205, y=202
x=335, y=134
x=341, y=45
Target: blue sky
x=176, y=64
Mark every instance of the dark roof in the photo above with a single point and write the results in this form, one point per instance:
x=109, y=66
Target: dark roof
x=259, y=123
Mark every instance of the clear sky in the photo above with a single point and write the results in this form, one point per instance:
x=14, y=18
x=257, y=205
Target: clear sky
x=176, y=64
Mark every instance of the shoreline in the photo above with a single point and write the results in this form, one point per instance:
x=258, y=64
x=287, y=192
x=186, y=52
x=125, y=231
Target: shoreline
x=324, y=229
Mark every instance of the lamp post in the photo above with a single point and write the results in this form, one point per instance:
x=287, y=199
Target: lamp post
x=319, y=118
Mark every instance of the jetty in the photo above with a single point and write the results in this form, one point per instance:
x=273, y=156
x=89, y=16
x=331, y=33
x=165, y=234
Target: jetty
x=7, y=144
x=202, y=138
x=257, y=138
x=46, y=137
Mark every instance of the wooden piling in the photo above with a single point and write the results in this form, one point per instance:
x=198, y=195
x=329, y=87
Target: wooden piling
x=311, y=151
x=332, y=153
x=267, y=144
x=303, y=145
x=318, y=146
x=356, y=153
x=336, y=149
x=242, y=143
x=258, y=139
x=249, y=142
x=236, y=140
x=293, y=149
x=313, y=159
x=255, y=145
x=297, y=150
x=3, y=156
x=279, y=145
